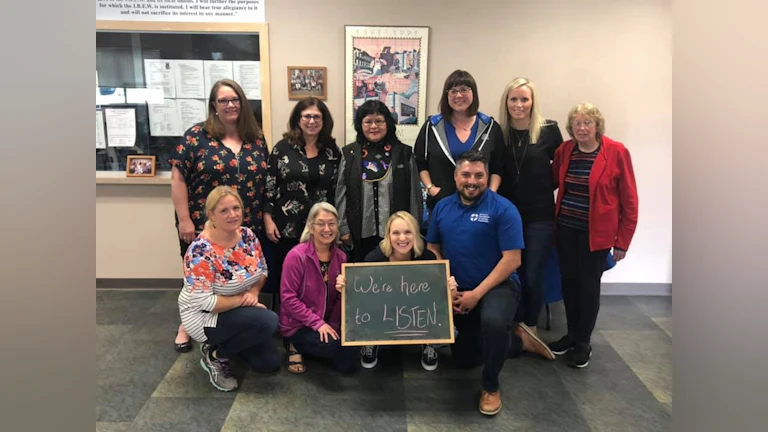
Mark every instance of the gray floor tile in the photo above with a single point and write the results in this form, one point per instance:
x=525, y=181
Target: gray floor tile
x=143, y=385
x=649, y=355
x=189, y=414
x=654, y=306
x=186, y=377
x=121, y=402
x=314, y=426
x=621, y=313
x=610, y=396
x=532, y=397
x=321, y=395
x=112, y=427
x=127, y=374
x=665, y=324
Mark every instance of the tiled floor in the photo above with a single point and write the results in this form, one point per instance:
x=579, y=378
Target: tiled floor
x=143, y=385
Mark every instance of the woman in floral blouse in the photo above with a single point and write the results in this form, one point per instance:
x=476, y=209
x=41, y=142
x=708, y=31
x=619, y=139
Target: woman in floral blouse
x=301, y=171
x=228, y=149
x=377, y=177
x=224, y=271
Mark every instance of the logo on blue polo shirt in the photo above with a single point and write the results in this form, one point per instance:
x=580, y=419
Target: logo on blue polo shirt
x=480, y=217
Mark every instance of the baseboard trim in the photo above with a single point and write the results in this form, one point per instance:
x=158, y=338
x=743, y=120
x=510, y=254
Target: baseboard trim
x=133, y=284
x=636, y=289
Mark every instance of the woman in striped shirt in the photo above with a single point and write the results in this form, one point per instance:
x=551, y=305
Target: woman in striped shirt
x=596, y=210
x=224, y=271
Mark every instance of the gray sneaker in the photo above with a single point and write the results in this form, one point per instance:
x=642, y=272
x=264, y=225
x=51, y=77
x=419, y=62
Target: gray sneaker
x=218, y=370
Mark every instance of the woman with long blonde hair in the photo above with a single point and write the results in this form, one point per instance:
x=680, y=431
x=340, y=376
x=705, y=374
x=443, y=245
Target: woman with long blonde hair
x=531, y=141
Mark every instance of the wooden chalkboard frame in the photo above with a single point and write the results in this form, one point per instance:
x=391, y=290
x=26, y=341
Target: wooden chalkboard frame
x=449, y=340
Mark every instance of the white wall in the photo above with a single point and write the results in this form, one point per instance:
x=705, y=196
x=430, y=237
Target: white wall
x=614, y=53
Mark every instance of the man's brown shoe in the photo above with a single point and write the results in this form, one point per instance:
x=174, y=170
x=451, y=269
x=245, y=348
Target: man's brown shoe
x=490, y=403
x=532, y=343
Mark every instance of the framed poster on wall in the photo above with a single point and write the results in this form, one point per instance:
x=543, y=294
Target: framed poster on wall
x=388, y=64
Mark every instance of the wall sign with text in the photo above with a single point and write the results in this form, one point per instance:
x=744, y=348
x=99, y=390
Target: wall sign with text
x=396, y=303
x=240, y=11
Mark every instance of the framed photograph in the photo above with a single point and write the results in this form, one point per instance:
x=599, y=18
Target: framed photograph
x=306, y=81
x=388, y=64
x=140, y=166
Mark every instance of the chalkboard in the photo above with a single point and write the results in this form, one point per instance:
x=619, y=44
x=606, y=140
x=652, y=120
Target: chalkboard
x=396, y=303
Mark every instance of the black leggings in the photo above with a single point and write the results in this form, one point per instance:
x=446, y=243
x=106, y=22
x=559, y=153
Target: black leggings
x=580, y=271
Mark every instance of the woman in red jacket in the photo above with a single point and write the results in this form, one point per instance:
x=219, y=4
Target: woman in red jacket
x=310, y=309
x=595, y=210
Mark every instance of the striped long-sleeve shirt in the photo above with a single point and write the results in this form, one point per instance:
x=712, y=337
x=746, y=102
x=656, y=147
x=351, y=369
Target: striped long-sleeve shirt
x=211, y=270
x=574, y=210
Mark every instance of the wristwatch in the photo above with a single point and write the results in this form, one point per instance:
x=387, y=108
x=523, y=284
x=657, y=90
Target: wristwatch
x=430, y=186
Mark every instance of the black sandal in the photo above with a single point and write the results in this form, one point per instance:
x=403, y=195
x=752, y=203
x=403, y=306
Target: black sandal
x=292, y=364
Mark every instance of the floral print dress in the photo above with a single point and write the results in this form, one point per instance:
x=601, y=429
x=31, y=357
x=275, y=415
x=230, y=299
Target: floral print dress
x=205, y=162
x=295, y=183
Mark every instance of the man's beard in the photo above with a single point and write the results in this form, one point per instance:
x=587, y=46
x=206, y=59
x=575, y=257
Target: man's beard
x=479, y=191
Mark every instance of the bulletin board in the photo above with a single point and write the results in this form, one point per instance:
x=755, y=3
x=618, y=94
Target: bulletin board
x=153, y=80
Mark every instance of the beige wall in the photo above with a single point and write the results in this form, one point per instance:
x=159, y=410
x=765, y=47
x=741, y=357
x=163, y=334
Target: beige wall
x=616, y=54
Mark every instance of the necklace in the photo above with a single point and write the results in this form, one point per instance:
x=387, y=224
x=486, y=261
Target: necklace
x=519, y=166
x=520, y=137
x=471, y=123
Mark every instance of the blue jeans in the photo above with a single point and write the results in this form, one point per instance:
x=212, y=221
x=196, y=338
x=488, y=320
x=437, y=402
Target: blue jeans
x=538, y=243
x=247, y=332
x=307, y=341
x=486, y=333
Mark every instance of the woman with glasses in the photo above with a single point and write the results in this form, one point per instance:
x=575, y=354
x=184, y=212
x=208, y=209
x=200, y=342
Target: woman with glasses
x=301, y=171
x=531, y=141
x=595, y=211
x=310, y=312
x=377, y=177
x=458, y=128
x=227, y=149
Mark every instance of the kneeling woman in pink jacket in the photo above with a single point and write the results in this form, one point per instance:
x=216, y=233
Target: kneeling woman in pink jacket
x=310, y=312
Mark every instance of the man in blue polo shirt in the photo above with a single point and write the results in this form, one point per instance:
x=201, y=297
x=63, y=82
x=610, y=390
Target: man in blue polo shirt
x=481, y=234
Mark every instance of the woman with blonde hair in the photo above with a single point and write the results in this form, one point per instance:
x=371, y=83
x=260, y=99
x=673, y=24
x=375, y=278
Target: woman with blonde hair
x=596, y=211
x=402, y=242
x=224, y=271
x=531, y=141
x=310, y=311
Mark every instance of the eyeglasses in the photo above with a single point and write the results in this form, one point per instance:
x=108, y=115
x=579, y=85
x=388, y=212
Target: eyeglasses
x=226, y=102
x=456, y=90
x=310, y=117
x=378, y=122
x=586, y=123
x=322, y=225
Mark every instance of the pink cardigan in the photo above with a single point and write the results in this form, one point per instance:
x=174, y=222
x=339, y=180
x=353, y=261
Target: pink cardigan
x=305, y=297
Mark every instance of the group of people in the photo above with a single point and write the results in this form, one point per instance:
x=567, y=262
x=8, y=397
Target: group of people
x=492, y=215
